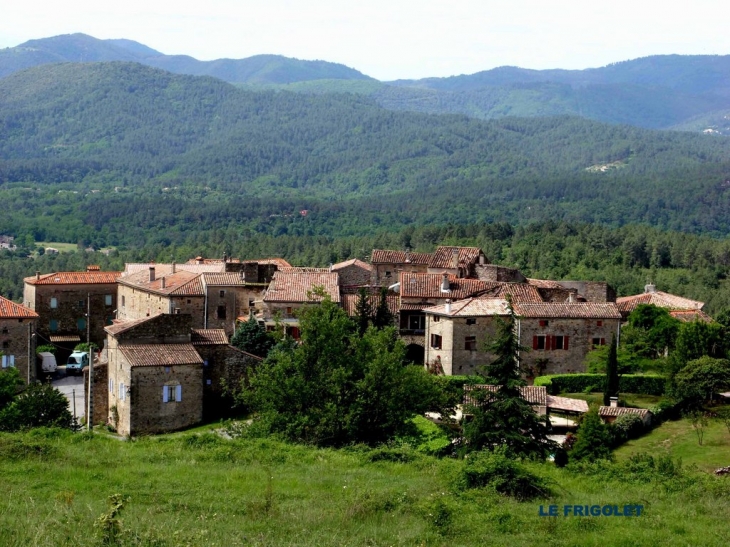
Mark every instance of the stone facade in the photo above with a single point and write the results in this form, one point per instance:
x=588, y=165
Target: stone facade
x=455, y=346
x=226, y=303
x=592, y=291
x=559, y=345
x=62, y=306
x=15, y=332
x=101, y=392
x=353, y=273
x=137, y=303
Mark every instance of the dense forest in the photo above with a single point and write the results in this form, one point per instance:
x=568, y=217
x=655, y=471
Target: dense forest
x=122, y=154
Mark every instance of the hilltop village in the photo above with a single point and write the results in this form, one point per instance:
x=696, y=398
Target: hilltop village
x=163, y=330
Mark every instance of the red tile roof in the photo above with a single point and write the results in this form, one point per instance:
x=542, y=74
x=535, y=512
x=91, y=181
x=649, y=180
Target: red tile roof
x=272, y=262
x=209, y=337
x=349, y=301
x=519, y=292
x=305, y=269
x=295, y=286
x=425, y=285
x=627, y=304
x=545, y=284
x=352, y=262
x=160, y=269
x=444, y=257
x=74, y=278
x=180, y=283
x=566, y=404
x=11, y=310
x=535, y=395
x=399, y=257
x=121, y=326
x=568, y=310
x=472, y=307
x=229, y=279
x=151, y=355
x=622, y=410
x=687, y=316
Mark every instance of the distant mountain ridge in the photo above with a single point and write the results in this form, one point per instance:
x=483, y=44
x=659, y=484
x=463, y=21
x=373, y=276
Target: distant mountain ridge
x=81, y=48
x=682, y=92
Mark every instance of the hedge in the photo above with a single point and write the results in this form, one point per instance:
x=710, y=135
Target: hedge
x=578, y=383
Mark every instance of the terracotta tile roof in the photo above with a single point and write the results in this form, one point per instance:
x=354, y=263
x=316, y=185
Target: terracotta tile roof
x=545, y=284
x=566, y=404
x=293, y=286
x=56, y=338
x=180, y=283
x=535, y=395
x=444, y=257
x=425, y=285
x=74, y=278
x=520, y=292
x=627, y=304
x=622, y=410
x=11, y=310
x=353, y=262
x=229, y=279
x=218, y=261
x=399, y=257
x=271, y=262
x=208, y=337
x=304, y=269
x=151, y=355
x=687, y=316
x=472, y=307
x=121, y=326
x=160, y=269
x=568, y=310
x=349, y=301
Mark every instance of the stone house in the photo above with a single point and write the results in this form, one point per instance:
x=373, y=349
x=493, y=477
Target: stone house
x=163, y=375
x=60, y=300
x=684, y=309
x=17, y=340
x=609, y=414
x=229, y=296
x=290, y=290
x=353, y=273
x=387, y=265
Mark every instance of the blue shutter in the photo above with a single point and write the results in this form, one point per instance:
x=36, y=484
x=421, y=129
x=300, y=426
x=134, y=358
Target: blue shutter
x=164, y=394
x=178, y=393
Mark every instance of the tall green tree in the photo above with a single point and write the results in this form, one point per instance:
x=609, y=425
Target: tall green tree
x=612, y=377
x=363, y=311
x=701, y=379
x=505, y=418
x=593, y=439
x=382, y=317
x=252, y=338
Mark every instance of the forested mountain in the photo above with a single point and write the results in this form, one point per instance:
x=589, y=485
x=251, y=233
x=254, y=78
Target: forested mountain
x=687, y=92
x=81, y=48
x=123, y=154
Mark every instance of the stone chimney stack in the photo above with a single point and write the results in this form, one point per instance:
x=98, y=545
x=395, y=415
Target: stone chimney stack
x=152, y=274
x=173, y=267
x=571, y=297
x=162, y=280
x=482, y=259
x=448, y=306
x=650, y=288
x=445, y=286
x=455, y=258
x=37, y=276
x=614, y=402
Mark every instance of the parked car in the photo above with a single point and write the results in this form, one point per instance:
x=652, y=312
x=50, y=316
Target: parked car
x=76, y=362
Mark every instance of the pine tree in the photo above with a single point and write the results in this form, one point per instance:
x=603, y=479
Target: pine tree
x=593, y=439
x=612, y=379
x=252, y=338
x=504, y=417
x=383, y=318
x=363, y=311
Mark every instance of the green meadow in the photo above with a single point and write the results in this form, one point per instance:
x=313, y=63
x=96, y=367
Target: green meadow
x=198, y=488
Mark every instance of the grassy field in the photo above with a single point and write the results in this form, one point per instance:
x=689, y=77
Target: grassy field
x=678, y=439
x=62, y=247
x=200, y=489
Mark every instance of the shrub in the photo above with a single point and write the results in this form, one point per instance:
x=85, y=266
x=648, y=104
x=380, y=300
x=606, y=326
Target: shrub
x=627, y=427
x=580, y=383
x=40, y=405
x=593, y=439
x=506, y=476
x=665, y=410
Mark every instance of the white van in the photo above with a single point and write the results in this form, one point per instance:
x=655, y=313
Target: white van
x=48, y=362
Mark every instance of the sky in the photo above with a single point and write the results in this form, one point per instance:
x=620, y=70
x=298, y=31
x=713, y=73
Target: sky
x=390, y=39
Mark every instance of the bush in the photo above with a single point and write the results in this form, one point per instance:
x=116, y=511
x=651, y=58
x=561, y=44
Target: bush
x=506, y=476
x=665, y=410
x=627, y=427
x=593, y=439
x=580, y=383
x=40, y=405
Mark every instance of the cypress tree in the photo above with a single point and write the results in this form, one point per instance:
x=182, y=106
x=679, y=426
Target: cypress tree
x=363, y=311
x=611, y=374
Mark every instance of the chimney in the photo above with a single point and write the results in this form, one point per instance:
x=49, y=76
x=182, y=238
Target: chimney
x=225, y=258
x=614, y=402
x=408, y=255
x=650, y=288
x=162, y=280
x=571, y=297
x=482, y=259
x=455, y=258
x=152, y=274
x=445, y=287
x=37, y=276
x=173, y=268
x=448, y=306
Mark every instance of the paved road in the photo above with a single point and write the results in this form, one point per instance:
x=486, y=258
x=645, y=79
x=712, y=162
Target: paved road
x=72, y=387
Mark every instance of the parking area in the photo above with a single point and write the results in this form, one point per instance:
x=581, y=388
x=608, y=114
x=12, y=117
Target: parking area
x=73, y=388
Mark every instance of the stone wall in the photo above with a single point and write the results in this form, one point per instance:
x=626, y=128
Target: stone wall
x=452, y=357
x=14, y=341
x=385, y=275
x=236, y=301
x=225, y=370
x=354, y=275
x=580, y=334
x=136, y=304
x=71, y=308
x=161, y=329
x=492, y=272
x=101, y=392
x=593, y=291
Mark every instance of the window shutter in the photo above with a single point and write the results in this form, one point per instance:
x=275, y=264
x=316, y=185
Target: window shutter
x=603, y=341
x=534, y=342
x=164, y=394
x=121, y=391
x=5, y=361
x=565, y=342
x=178, y=393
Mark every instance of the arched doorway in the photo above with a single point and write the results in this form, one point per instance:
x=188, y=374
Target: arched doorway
x=415, y=354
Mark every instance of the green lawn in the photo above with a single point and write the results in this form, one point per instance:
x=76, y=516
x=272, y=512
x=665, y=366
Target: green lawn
x=199, y=489
x=679, y=440
x=631, y=399
x=62, y=247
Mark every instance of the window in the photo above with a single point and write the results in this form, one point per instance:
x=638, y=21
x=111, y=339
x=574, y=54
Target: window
x=109, y=320
x=5, y=330
x=81, y=323
x=251, y=303
x=53, y=325
x=171, y=394
x=222, y=294
x=122, y=392
x=124, y=301
x=558, y=342
x=54, y=302
x=107, y=299
x=81, y=304
x=549, y=342
x=471, y=321
x=289, y=310
x=221, y=312
x=544, y=322
x=387, y=273
x=417, y=322
x=598, y=342
x=436, y=341
x=189, y=301
x=167, y=370
x=436, y=318
x=6, y=344
x=470, y=343
x=111, y=385
x=8, y=361
x=599, y=323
